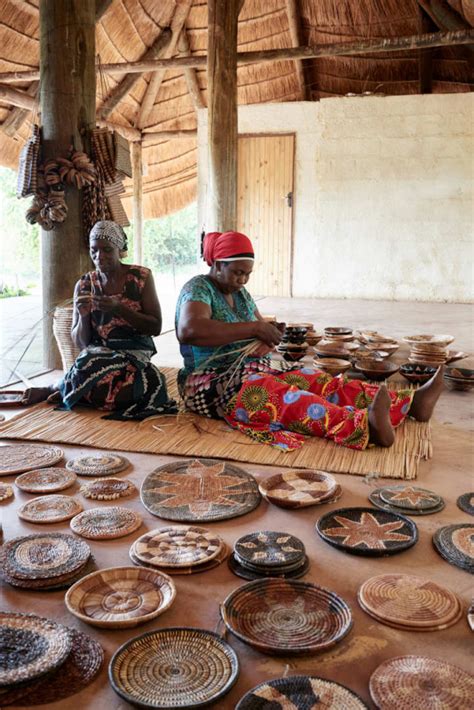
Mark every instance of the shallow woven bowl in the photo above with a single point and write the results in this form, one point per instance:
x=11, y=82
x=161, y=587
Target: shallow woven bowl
x=286, y=617
x=269, y=487
x=377, y=370
x=418, y=374
x=389, y=348
x=332, y=365
x=174, y=668
x=112, y=598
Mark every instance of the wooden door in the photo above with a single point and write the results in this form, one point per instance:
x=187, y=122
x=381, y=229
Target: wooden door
x=264, y=212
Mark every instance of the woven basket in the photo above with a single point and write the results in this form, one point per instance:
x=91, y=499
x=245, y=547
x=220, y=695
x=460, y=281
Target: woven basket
x=62, y=324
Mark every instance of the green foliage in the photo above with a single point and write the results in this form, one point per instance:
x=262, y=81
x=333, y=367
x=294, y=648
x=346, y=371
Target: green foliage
x=169, y=242
x=19, y=241
x=9, y=291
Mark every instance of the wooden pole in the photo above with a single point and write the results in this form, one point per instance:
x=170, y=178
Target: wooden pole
x=294, y=27
x=68, y=89
x=425, y=56
x=16, y=97
x=137, y=173
x=190, y=74
x=337, y=49
x=166, y=135
x=222, y=114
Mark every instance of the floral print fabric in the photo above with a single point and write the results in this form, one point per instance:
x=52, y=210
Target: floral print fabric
x=281, y=409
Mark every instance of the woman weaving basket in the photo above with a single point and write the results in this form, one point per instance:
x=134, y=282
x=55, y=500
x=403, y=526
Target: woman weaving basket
x=116, y=311
x=224, y=342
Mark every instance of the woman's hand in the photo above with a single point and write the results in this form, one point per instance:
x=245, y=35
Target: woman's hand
x=83, y=303
x=268, y=333
x=261, y=350
x=108, y=304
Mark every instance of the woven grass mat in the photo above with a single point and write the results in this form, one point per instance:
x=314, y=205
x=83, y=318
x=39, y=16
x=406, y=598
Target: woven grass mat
x=191, y=435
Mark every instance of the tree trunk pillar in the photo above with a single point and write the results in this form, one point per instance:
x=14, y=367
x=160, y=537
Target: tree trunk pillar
x=137, y=173
x=222, y=114
x=67, y=100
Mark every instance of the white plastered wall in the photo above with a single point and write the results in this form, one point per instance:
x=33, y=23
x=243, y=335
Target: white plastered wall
x=383, y=205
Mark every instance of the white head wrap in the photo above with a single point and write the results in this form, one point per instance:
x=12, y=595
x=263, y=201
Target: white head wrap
x=111, y=231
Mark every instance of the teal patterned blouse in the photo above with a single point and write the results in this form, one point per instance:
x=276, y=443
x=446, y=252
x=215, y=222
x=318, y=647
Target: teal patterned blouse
x=201, y=288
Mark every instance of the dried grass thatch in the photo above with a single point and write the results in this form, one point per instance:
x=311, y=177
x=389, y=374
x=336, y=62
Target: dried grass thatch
x=129, y=27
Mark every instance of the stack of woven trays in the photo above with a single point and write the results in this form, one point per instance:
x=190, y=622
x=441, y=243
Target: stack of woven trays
x=269, y=554
x=43, y=661
x=429, y=349
x=178, y=549
x=410, y=603
x=44, y=561
x=407, y=500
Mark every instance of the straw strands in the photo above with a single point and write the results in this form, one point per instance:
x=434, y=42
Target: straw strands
x=191, y=435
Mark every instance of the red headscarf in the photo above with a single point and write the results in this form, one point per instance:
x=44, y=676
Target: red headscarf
x=226, y=246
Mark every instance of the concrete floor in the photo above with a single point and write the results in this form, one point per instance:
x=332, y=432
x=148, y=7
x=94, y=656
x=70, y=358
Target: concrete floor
x=449, y=472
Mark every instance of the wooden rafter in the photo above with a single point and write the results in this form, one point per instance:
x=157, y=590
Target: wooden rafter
x=293, y=14
x=129, y=80
x=446, y=18
x=337, y=49
x=425, y=56
x=190, y=75
x=165, y=135
x=151, y=93
x=16, y=97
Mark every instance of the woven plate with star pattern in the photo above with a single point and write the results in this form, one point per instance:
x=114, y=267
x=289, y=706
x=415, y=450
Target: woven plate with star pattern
x=367, y=531
x=300, y=693
x=199, y=490
x=455, y=544
x=466, y=503
x=267, y=548
x=410, y=682
x=410, y=497
x=376, y=500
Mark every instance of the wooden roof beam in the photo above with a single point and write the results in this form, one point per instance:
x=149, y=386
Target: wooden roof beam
x=16, y=97
x=17, y=116
x=167, y=135
x=338, y=49
x=293, y=14
x=190, y=75
x=160, y=44
x=151, y=93
x=448, y=19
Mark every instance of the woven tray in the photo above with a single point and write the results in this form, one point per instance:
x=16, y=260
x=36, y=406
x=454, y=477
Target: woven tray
x=6, y=491
x=410, y=682
x=30, y=647
x=376, y=500
x=298, y=489
x=466, y=503
x=106, y=523
x=46, y=480
x=367, y=531
x=49, y=509
x=11, y=398
x=269, y=549
x=120, y=597
x=288, y=617
x=410, y=497
x=17, y=458
x=194, y=569
x=55, y=583
x=171, y=668
x=77, y=672
x=98, y=465
x=409, y=602
x=177, y=546
x=108, y=489
x=241, y=571
x=44, y=556
x=455, y=544
x=199, y=490
x=300, y=693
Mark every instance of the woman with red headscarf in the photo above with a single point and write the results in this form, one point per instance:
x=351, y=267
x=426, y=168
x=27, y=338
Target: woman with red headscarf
x=216, y=316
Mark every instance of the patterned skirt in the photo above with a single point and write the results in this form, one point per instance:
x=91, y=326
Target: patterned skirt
x=209, y=391
x=282, y=409
x=120, y=382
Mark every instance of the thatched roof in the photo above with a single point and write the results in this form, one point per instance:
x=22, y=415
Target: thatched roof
x=129, y=27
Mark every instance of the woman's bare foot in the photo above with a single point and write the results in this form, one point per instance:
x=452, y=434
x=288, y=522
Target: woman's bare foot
x=425, y=398
x=380, y=427
x=33, y=395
